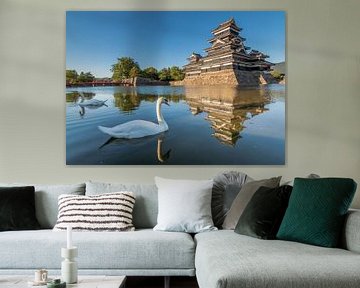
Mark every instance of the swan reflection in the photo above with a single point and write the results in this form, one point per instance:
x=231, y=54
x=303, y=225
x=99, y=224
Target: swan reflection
x=161, y=156
x=82, y=109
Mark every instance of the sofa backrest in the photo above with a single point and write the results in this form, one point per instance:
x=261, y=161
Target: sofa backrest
x=146, y=203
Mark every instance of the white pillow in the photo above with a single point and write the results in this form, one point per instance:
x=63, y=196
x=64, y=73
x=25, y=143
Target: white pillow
x=184, y=205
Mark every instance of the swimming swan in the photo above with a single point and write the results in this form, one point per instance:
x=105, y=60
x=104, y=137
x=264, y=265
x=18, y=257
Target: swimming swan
x=139, y=128
x=91, y=102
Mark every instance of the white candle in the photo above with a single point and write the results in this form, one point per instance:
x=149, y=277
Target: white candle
x=69, y=239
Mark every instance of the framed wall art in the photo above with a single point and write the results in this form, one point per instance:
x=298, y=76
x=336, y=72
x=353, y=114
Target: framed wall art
x=175, y=87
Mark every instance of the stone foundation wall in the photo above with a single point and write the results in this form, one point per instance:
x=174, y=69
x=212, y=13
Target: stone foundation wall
x=141, y=81
x=224, y=77
x=247, y=78
x=267, y=78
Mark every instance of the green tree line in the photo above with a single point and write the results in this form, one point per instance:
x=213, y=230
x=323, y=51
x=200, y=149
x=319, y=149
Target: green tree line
x=72, y=77
x=127, y=67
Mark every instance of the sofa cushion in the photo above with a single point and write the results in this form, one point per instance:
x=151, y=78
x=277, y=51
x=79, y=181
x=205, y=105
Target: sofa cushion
x=143, y=249
x=46, y=200
x=184, y=205
x=317, y=210
x=17, y=208
x=146, y=205
x=243, y=198
x=225, y=189
x=263, y=215
x=225, y=259
x=105, y=212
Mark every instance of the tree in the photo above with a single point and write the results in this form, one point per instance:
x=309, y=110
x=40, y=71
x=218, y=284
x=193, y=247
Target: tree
x=121, y=69
x=164, y=74
x=176, y=73
x=86, y=77
x=277, y=75
x=71, y=76
x=134, y=72
x=151, y=73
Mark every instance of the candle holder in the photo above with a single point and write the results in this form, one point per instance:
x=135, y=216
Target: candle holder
x=69, y=271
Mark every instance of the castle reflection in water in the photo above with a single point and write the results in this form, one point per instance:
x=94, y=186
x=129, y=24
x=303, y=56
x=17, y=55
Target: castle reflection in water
x=227, y=108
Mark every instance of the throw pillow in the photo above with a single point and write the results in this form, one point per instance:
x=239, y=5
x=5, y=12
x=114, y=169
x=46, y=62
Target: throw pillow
x=17, y=209
x=46, y=200
x=311, y=176
x=226, y=187
x=317, y=210
x=184, y=205
x=106, y=212
x=243, y=198
x=263, y=215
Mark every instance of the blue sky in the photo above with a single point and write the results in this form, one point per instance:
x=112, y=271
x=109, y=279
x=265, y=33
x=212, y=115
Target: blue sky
x=95, y=39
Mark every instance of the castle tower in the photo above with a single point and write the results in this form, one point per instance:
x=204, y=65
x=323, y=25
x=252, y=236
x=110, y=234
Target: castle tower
x=227, y=60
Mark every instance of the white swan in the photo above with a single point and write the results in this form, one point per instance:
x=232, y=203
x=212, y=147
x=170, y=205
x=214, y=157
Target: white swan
x=91, y=102
x=139, y=128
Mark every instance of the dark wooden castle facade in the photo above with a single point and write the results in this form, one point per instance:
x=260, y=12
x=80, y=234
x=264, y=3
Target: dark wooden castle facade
x=228, y=61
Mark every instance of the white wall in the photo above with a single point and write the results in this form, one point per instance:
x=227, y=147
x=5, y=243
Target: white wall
x=323, y=117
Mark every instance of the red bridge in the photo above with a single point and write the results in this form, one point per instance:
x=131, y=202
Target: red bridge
x=125, y=82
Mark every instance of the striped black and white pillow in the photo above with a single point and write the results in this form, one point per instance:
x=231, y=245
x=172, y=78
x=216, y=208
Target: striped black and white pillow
x=105, y=212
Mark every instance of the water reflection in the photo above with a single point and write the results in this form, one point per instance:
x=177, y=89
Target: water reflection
x=131, y=100
x=127, y=102
x=162, y=156
x=74, y=97
x=82, y=109
x=90, y=102
x=206, y=126
x=227, y=108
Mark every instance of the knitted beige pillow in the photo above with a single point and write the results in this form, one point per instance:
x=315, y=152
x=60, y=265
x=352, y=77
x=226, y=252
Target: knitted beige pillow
x=105, y=212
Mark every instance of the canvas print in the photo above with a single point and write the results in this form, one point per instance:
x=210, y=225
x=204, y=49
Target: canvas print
x=175, y=87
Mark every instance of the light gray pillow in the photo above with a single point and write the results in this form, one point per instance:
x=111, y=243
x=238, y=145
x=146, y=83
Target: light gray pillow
x=242, y=199
x=146, y=205
x=46, y=200
x=184, y=205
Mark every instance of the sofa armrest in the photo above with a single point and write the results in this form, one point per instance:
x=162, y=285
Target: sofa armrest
x=351, y=234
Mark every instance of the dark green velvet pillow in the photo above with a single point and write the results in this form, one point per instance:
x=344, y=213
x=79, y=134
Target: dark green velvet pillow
x=263, y=214
x=17, y=208
x=316, y=211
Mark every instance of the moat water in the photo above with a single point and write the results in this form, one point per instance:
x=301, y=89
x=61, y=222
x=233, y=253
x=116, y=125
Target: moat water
x=207, y=125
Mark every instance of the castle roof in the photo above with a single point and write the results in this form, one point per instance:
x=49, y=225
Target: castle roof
x=258, y=54
x=195, y=55
x=229, y=23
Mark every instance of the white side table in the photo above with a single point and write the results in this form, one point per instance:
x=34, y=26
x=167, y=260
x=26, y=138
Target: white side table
x=84, y=281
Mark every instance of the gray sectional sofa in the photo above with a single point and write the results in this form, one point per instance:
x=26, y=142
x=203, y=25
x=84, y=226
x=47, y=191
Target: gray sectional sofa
x=219, y=259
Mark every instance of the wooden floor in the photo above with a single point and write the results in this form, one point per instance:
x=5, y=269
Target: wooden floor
x=158, y=282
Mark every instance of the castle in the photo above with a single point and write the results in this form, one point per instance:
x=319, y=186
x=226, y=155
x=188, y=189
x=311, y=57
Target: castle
x=227, y=61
